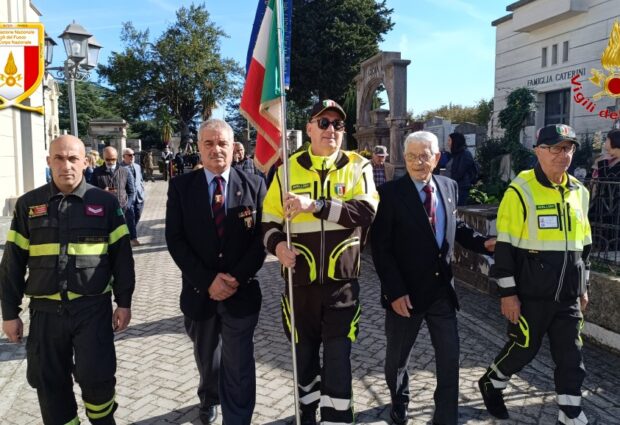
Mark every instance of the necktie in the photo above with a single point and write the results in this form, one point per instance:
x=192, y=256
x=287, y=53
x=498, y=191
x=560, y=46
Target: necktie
x=133, y=171
x=217, y=206
x=429, y=205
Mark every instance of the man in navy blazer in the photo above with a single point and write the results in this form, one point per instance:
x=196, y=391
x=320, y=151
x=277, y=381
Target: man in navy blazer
x=412, y=244
x=134, y=212
x=213, y=233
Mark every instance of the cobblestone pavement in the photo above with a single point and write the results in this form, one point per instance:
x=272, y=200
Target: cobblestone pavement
x=157, y=377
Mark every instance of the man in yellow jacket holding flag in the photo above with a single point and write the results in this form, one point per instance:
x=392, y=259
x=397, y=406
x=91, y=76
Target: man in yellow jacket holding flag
x=331, y=204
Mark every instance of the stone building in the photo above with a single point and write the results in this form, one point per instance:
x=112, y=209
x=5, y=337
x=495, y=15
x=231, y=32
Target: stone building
x=551, y=47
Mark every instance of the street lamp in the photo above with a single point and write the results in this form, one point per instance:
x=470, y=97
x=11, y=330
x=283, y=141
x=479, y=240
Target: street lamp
x=82, y=51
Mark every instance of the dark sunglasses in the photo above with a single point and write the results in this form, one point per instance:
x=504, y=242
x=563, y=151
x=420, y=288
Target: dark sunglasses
x=324, y=124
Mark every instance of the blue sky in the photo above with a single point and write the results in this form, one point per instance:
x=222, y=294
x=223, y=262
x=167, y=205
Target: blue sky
x=451, y=43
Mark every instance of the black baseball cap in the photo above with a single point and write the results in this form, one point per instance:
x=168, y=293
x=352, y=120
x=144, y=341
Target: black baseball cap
x=554, y=134
x=326, y=105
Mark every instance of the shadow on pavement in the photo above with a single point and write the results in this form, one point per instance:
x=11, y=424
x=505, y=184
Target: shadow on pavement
x=169, y=325
x=184, y=415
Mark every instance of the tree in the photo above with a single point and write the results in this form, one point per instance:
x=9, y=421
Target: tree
x=181, y=74
x=331, y=38
x=479, y=114
x=92, y=102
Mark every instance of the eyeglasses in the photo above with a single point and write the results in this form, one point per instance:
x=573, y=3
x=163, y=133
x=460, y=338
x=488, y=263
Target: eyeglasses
x=555, y=149
x=324, y=124
x=129, y=154
x=410, y=157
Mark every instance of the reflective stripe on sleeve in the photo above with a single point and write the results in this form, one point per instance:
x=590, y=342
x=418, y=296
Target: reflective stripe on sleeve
x=18, y=239
x=118, y=233
x=335, y=210
x=268, y=235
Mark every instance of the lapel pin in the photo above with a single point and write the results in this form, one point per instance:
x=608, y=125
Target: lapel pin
x=239, y=193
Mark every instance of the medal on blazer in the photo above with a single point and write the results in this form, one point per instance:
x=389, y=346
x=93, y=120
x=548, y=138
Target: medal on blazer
x=246, y=215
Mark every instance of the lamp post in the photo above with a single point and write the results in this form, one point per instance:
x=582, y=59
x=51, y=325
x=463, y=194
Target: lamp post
x=82, y=51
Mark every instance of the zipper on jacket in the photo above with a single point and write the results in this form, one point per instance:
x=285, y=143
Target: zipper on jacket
x=322, y=253
x=562, y=215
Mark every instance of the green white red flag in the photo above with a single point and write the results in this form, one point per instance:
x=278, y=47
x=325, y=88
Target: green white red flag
x=261, y=103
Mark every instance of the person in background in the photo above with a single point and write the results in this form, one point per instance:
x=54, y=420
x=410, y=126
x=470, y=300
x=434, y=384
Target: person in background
x=148, y=166
x=381, y=171
x=167, y=157
x=115, y=179
x=179, y=163
x=134, y=211
x=461, y=167
x=91, y=164
x=605, y=205
x=243, y=162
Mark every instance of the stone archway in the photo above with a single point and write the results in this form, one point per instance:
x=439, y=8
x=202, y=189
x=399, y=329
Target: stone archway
x=379, y=127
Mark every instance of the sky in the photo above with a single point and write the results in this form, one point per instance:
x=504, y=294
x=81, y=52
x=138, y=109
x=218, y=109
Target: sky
x=450, y=43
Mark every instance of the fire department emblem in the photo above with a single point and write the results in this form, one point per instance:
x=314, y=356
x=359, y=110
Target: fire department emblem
x=21, y=63
x=610, y=60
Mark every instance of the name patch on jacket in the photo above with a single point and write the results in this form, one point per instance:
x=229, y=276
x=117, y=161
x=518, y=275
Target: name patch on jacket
x=548, y=222
x=300, y=186
x=545, y=207
x=95, y=210
x=92, y=239
x=37, y=210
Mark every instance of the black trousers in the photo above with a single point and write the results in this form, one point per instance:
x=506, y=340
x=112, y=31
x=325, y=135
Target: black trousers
x=224, y=353
x=80, y=342
x=329, y=315
x=562, y=322
x=401, y=333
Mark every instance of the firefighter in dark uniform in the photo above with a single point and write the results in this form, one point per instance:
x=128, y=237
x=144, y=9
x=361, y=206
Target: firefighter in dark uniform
x=72, y=240
x=541, y=267
x=331, y=205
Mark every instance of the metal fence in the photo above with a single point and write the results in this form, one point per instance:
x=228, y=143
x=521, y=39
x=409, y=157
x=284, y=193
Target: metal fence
x=605, y=222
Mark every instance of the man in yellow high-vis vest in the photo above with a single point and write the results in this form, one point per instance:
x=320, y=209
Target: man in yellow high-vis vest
x=541, y=268
x=331, y=204
x=71, y=240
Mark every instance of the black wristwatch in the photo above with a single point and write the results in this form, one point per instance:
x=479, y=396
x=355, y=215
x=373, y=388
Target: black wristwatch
x=318, y=205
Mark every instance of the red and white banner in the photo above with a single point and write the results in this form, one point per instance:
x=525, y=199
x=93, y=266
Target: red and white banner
x=21, y=63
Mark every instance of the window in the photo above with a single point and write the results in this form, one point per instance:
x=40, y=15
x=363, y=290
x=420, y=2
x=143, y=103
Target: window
x=544, y=57
x=557, y=107
x=554, y=54
x=565, y=51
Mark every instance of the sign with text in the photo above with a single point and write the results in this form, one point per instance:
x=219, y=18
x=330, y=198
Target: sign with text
x=21, y=63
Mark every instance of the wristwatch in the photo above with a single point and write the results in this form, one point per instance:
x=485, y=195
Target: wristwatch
x=318, y=205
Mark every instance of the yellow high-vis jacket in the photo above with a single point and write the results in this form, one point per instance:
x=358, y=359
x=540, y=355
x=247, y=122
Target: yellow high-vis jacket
x=330, y=241
x=543, y=238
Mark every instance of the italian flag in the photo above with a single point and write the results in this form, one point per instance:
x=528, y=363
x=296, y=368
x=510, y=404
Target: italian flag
x=261, y=103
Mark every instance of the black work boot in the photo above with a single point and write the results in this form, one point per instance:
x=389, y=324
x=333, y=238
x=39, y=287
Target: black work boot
x=493, y=398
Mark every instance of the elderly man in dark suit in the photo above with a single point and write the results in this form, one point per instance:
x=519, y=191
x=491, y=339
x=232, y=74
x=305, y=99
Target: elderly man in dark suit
x=213, y=235
x=412, y=242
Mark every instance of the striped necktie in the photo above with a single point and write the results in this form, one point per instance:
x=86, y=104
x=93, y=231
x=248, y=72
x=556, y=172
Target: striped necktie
x=217, y=206
x=429, y=205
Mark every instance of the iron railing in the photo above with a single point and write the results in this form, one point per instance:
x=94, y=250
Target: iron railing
x=604, y=218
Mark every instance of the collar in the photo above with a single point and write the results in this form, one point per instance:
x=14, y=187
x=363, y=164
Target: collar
x=542, y=178
x=377, y=165
x=419, y=185
x=305, y=159
x=210, y=176
x=79, y=191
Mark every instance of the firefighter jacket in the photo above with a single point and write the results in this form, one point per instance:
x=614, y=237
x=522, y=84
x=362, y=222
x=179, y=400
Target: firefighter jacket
x=72, y=246
x=329, y=241
x=543, y=238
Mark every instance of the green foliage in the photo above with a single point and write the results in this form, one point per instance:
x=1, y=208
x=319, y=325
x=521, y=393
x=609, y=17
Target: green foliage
x=479, y=114
x=92, y=102
x=512, y=118
x=148, y=131
x=477, y=196
x=181, y=72
x=331, y=38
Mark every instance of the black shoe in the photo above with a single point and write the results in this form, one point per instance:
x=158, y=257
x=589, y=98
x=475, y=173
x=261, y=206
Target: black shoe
x=398, y=414
x=308, y=418
x=208, y=415
x=493, y=398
